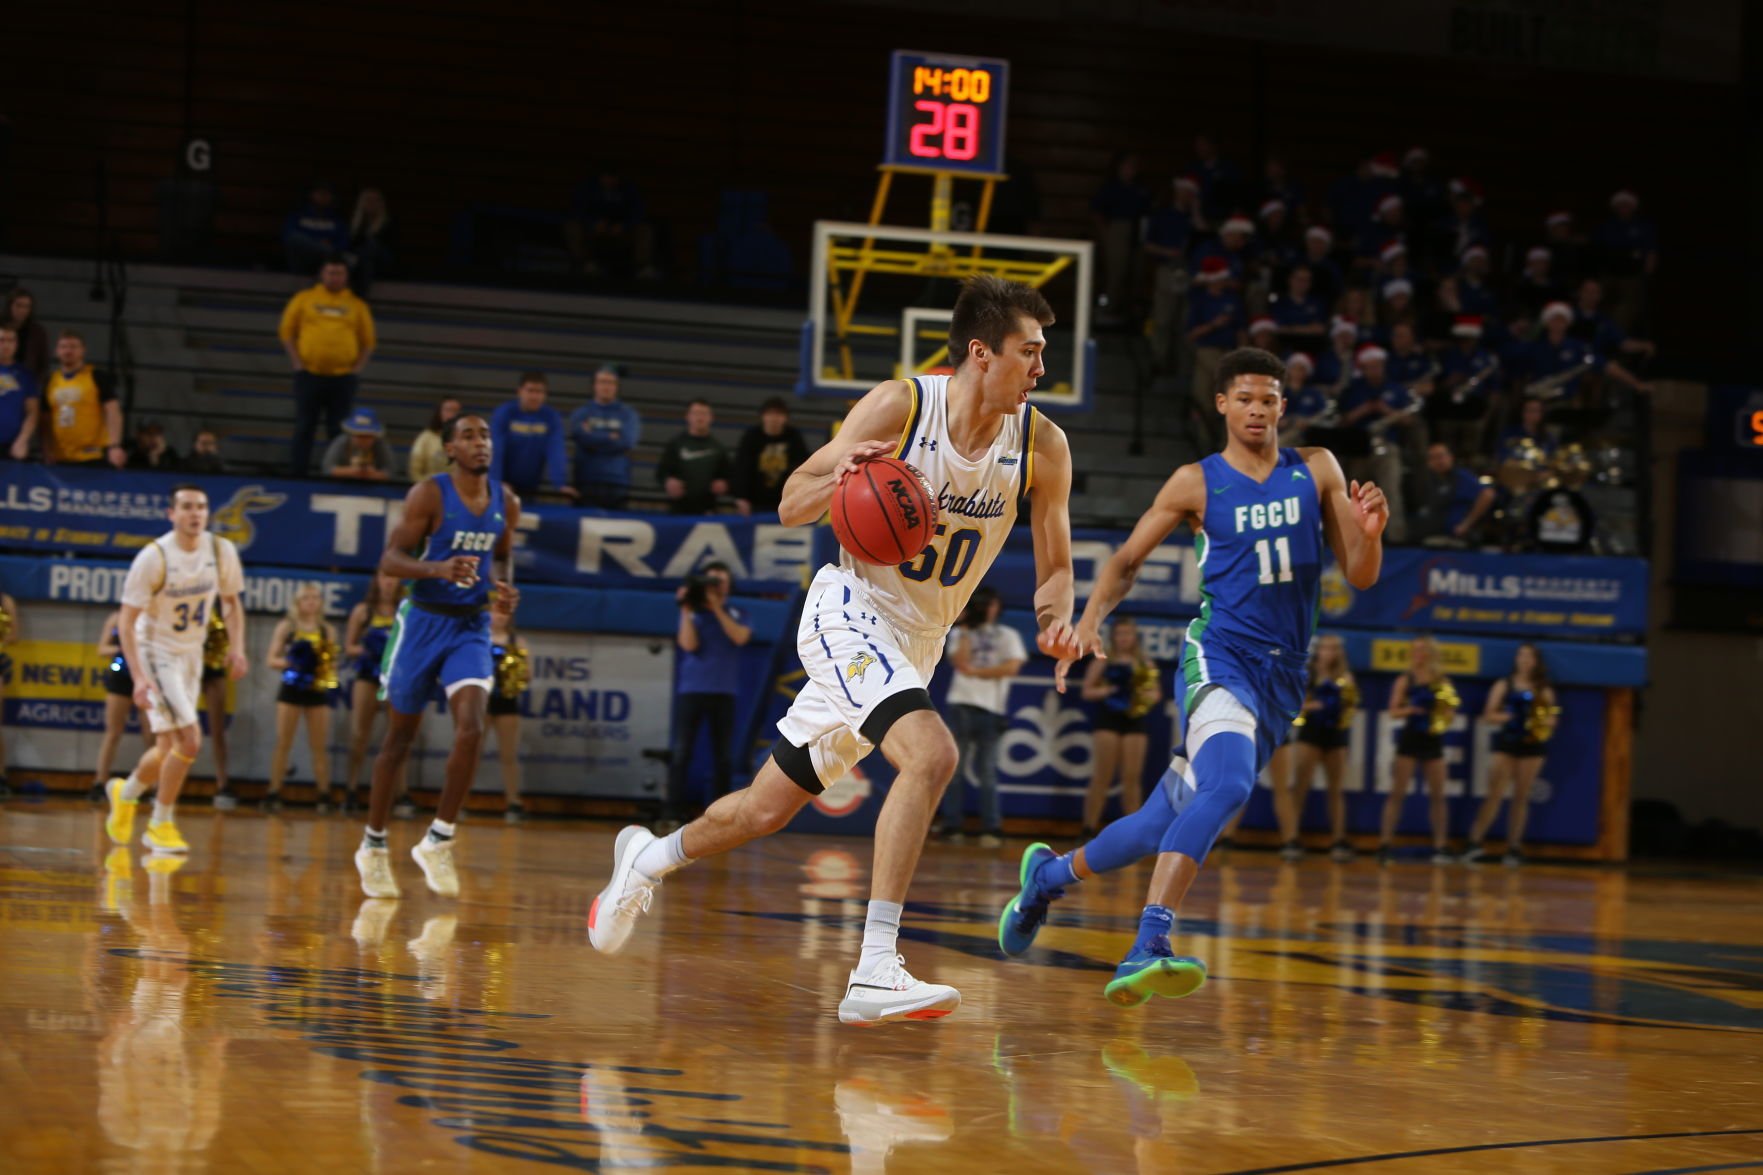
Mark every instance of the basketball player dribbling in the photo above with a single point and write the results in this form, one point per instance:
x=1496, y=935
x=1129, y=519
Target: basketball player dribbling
x=870, y=636
x=1261, y=515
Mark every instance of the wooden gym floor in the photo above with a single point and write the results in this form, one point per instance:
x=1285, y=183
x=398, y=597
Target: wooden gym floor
x=249, y=1012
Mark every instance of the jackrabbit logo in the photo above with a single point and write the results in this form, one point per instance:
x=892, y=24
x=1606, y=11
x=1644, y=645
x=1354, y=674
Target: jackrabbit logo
x=233, y=520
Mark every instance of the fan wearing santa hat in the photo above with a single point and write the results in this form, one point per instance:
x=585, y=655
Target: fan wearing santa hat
x=1469, y=382
x=1334, y=367
x=1556, y=363
x=1306, y=402
x=1566, y=247
x=1461, y=227
x=1215, y=324
x=1537, y=286
x=1388, y=226
x=1627, y=249
x=1474, y=294
x=1233, y=246
x=1369, y=397
x=1300, y=314
x=1326, y=280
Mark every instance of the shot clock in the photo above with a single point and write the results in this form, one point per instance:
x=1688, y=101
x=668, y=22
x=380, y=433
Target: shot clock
x=947, y=113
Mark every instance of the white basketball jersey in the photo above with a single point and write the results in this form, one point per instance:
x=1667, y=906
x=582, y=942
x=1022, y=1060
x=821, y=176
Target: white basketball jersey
x=976, y=502
x=175, y=589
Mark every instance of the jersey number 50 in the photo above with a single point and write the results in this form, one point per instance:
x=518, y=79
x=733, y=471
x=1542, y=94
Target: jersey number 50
x=957, y=556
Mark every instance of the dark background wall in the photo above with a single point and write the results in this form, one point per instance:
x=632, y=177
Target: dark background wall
x=449, y=103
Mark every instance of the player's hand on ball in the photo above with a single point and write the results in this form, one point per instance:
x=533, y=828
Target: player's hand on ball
x=236, y=665
x=860, y=452
x=460, y=570
x=1374, y=508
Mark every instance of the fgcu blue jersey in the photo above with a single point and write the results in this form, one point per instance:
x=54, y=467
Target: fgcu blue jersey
x=461, y=532
x=1260, y=552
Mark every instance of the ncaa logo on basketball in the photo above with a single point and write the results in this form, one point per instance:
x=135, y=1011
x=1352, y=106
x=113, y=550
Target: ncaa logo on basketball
x=845, y=796
x=1337, y=594
x=233, y=520
x=903, y=498
x=858, y=667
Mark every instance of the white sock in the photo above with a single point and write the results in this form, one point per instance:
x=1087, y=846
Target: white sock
x=662, y=856
x=441, y=830
x=881, y=932
x=133, y=788
x=375, y=838
x=162, y=813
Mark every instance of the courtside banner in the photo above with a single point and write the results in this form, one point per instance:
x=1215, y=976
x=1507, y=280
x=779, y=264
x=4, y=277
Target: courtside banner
x=327, y=525
x=1465, y=591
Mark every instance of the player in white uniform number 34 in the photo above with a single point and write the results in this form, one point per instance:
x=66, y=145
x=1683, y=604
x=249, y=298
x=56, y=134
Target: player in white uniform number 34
x=870, y=636
x=171, y=586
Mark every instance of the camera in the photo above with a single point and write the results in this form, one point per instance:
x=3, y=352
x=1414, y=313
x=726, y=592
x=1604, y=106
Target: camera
x=697, y=592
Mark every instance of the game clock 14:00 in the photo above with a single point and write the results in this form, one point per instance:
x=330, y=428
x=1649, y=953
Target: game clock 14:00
x=947, y=113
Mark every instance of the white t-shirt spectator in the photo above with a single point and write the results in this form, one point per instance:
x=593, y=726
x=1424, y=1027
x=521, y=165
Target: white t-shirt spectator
x=988, y=646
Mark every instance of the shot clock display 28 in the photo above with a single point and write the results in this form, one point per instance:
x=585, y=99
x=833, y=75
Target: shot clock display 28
x=947, y=113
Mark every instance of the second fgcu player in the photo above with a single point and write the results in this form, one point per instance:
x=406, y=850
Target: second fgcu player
x=870, y=637
x=463, y=523
x=1261, y=515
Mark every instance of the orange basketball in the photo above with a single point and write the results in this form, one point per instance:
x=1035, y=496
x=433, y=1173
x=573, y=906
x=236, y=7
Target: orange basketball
x=884, y=513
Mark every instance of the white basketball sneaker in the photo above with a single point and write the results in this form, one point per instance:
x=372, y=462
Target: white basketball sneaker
x=626, y=897
x=892, y=994
x=436, y=859
x=375, y=867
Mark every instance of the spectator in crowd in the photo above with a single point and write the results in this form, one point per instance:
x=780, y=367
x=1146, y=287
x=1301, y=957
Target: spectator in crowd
x=1592, y=325
x=205, y=453
x=1468, y=379
x=1168, y=236
x=315, y=231
x=606, y=431
x=1627, y=246
x=1325, y=276
x=1374, y=406
x=18, y=398
x=1410, y=364
x=361, y=452
x=1302, y=317
x=1463, y=227
x=151, y=449
x=1537, y=286
x=1555, y=363
x=527, y=438
x=1233, y=246
x=328, y=334
x=370, y=240
x=1450, y=501
x=768, y=453
x=428, y=456
x=1395, y=303
x=1352, y=198
x=1215, y=321
x=1423, y=196
x=1334, y=367
x=608, y=230
x=1567, y=249
x=1306, y=403
x=1279, y=245
x=1221, y=184
x=1277, y=185
x=1528, y=434
x=1388, y=227
x=33, y=341
x=1264, y=333
x=1392, y=263
x=84, y=417
x=985, y=655
x=694, y=467
x=1118, y=206
x=710, y=636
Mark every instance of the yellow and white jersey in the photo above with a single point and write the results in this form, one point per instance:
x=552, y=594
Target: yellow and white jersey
x=976, y=501
x=175, y=588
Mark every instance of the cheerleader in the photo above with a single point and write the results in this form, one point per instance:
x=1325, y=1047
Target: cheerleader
x=119, y=699
x=1324, y=729
x=8, y=635
x=364, y=643
x=1124, y=688
x=304, y=651
x=1525, y=709
x=214, y=682
x=1424, y=701
x=512, y=674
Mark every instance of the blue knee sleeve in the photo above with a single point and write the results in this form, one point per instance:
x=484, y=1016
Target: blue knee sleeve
x=1224, y=771
x=1135, y=837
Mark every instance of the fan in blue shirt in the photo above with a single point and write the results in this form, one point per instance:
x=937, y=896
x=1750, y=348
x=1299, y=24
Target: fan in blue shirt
x=1627, y=245
x=1215, y=312
x=18, y=399
x=605, y=431
x=1297, y=312
x=527, y=439
x=1409, y=364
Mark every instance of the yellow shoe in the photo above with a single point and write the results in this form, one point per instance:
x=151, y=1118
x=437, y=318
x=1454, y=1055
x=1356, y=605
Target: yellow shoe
x=120, y=824
x=165, y=838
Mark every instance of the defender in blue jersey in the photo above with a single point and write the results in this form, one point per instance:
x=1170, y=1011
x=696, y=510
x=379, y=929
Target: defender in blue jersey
x=1261, y=515
x=462, y=524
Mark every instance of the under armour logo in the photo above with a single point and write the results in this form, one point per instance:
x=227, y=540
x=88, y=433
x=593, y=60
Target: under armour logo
x=927, y=443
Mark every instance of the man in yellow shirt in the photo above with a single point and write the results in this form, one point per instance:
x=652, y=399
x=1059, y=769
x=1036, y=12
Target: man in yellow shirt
x=328, y=334
x=80, y=409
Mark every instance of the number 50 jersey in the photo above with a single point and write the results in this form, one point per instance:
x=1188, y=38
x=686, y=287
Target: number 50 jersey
x=175, y=589
x=976, y=503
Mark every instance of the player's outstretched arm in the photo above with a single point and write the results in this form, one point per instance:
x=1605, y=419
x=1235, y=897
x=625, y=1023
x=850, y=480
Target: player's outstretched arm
x=1050, y=519
x=422, y=508
x=1353, y=516
x=872, y=429
x=1181, y=498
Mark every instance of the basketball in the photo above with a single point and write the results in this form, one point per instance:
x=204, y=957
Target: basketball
x=885, y=512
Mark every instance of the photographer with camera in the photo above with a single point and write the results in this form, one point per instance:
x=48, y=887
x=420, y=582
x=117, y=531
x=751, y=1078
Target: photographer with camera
x=711, y=631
